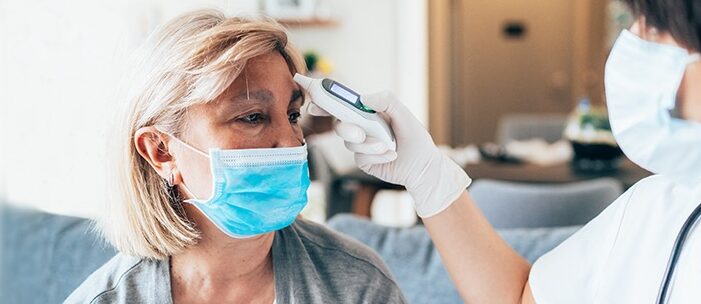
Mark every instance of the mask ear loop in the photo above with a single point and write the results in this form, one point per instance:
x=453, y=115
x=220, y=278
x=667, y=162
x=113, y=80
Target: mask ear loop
x=189, y=193
x=198, y=151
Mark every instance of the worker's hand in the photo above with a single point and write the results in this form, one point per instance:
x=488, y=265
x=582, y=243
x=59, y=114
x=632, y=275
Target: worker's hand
x=433, y=180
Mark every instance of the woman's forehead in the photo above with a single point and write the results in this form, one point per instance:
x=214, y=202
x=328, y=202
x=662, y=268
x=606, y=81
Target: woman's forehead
x=265, y=66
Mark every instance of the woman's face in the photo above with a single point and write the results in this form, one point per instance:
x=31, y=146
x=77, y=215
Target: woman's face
x=689, y=94
x=259, y=110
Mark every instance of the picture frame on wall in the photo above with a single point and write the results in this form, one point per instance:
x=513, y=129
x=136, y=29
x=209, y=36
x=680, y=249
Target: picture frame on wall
x=290, y=9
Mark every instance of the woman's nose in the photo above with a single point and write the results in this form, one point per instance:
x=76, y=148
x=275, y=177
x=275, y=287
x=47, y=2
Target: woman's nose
x=288, y=136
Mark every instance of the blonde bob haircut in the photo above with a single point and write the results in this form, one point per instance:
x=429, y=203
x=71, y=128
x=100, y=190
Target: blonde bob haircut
x=191, y=60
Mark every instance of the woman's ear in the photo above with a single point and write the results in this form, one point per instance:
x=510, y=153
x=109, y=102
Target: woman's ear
x=152, y=145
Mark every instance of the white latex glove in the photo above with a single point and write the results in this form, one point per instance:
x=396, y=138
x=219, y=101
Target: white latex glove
x=433, y=180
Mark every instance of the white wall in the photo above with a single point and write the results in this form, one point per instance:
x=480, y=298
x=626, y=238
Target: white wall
x=377, y=46
x=3, y=96
x=60, y=61
x=59, y=66
x=411, y=31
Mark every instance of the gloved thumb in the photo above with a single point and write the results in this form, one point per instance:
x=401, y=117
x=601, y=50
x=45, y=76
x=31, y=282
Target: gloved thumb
x=401, y=120
x=380, y=102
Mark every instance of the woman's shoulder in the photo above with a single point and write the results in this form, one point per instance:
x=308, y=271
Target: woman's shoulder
x=319, y=238
x=124, y=279
x=344, y=269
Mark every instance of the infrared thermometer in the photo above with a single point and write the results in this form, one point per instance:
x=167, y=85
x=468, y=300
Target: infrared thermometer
x=344, y=104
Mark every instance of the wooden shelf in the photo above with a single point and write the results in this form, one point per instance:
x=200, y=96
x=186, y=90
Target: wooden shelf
x=308, y=22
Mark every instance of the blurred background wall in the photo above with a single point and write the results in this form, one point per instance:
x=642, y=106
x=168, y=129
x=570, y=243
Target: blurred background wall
x=492, y=58
x=61, y=61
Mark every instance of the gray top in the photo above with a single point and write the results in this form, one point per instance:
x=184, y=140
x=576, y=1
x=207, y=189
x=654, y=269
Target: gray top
x=312, y=264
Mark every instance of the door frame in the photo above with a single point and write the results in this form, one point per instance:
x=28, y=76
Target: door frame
x=589, y=54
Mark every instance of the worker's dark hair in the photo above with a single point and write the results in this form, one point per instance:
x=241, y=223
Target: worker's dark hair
x=681, y=18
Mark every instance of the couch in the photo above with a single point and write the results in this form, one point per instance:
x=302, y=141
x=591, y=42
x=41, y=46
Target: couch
x=43, y=257
x=415, y=263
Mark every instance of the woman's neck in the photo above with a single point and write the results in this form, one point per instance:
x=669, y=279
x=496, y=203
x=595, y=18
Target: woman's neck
x=220, y=267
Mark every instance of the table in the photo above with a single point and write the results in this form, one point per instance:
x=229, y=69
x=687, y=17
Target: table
x=628, y=174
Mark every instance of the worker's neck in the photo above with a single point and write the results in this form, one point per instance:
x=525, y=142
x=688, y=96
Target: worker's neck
x=689, y=95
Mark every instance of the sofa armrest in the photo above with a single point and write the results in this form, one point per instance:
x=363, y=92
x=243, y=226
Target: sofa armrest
x=46, y=256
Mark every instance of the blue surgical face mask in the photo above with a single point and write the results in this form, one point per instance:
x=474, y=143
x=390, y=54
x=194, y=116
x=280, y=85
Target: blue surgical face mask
x=642, y=79
x=255, y=191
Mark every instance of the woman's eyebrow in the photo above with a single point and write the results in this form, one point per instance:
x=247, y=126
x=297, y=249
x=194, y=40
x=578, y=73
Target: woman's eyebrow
x=296, y=95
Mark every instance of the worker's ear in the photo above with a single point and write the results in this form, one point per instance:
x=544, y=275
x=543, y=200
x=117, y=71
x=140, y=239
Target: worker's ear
x=651, y=33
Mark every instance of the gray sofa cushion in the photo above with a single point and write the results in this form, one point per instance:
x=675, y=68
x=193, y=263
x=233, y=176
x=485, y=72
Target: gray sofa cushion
x=415, y=263
x=524, y=205
x=45, y=257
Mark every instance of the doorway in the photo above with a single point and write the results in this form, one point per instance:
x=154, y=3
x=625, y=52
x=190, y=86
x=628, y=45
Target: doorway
x=491, y=58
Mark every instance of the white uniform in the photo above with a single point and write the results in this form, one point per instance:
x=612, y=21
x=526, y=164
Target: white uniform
x=621, y=256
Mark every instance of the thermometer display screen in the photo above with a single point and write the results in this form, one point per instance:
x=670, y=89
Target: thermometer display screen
x=346, y=94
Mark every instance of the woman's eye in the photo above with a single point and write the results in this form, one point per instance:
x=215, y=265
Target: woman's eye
x=294, y=117
x=254, y=118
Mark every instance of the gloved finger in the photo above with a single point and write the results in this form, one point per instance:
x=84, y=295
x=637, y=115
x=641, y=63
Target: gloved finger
x=380, y=102
x=364, y=160
x=391, y=109
x=370, y=146
x=399, y=117
x=350, y=132
x=314, y=110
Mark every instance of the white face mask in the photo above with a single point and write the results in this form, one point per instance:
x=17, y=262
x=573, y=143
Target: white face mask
x=642, y=79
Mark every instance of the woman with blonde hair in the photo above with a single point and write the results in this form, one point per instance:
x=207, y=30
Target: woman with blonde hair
x=212, y=175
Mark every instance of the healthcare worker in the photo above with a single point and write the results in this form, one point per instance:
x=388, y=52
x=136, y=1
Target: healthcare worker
x=644, y=248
